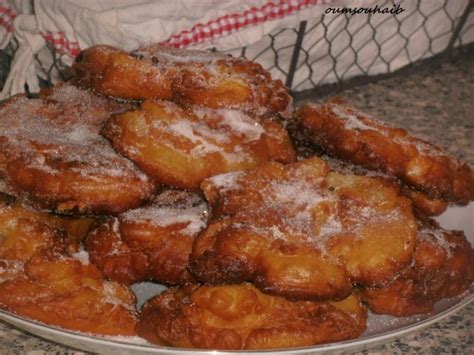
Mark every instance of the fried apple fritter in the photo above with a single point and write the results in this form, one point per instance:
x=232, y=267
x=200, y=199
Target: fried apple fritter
x=81, y=106
x=62, y=163
x=180, y=148
x=240, y=317
x=152, y=242
x=421, y=202
x=343, y=132
x=45, y=276
x=442, y=266
x=188, y=76
x=71, y=106
x=65, y=291
x=25, y=232
x=424, y=204
x=303, y=232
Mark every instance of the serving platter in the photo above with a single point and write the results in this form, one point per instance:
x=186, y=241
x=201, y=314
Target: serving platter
x=380, y=329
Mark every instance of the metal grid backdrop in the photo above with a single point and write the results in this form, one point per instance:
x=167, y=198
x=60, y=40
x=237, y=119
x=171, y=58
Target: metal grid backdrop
x=318, y=46
x=343, y=46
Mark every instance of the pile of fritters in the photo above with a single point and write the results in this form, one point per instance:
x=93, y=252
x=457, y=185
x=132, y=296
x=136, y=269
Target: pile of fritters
x=421, y=168
x=44, y=275
x=176, y=167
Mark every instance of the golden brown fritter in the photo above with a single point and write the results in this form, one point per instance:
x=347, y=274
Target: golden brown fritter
x=240, y=317
x=45, y=276
x=424, y=204
x=67, y=105
x=62, y=163
x=180, y=147
x=152, y=242
x=75, y=105
x=25, y=232
x=188, y=76
x=343, y=132
x=442, y=266
x=421, y=202
x=68, y=292
x=300, y=231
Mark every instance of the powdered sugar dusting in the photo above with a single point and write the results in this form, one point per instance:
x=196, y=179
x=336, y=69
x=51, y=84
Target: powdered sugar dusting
x=30, y=129
x=291, y=204
x=209, y=70
x=173, y=207
x=331, y=226
x=109, y=295
x=440, y=237
x=351, y=120
x=237, y=121
x=78, y=134
x=80, y=105
x=227, y=181
x=302, y=203
x=297, y=200
x=197, y=134
x=10, y=269
x=425, y=148
x=82, y=255
x=201, y=131
x=285, y=193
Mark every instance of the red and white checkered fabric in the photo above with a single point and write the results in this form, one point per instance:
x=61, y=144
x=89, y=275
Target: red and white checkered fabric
x=6, y=18
x=61, y=44
x=199, y=33
x=56, y=39
x=228, y=24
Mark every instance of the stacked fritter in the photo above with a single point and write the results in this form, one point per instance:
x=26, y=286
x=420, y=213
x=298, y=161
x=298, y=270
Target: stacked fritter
x=44, y=275
x=425, y=172
x=53, y=154
x=174, y=167
x=352, y=142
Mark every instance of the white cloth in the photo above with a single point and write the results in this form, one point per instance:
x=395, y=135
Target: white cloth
x=129, y=24
x=23, y=68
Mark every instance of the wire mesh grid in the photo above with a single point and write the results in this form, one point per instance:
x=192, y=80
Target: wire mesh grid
x=336, y=47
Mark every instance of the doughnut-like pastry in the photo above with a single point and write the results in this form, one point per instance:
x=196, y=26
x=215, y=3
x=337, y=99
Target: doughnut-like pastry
x=63, y=163
x=303, y=232
x=188, y=76
x=421, y=202
x=181, y=147
x=68, y=292
x=424, y=204
x=442, y=266
x=46, y=277
x=152, y=242
x=25, y=232
x=81, y=106
x=240, y=317
x=345, y=133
